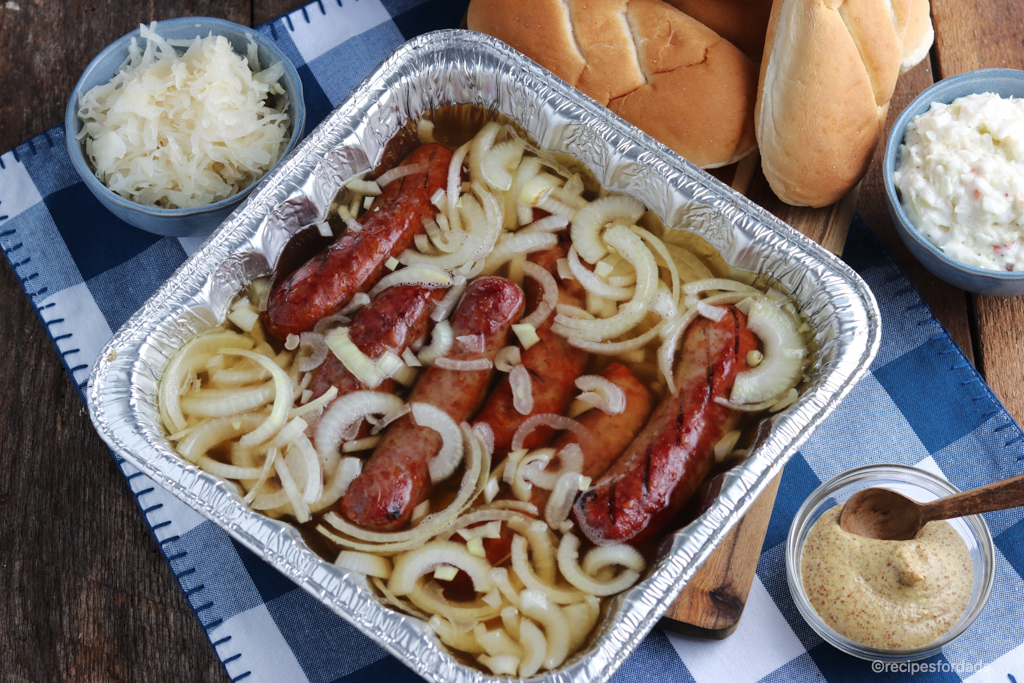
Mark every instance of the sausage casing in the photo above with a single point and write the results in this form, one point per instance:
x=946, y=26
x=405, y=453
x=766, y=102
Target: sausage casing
x=396, y=478
x=391, y=322
x=674, y=453
x=552, y=362
x=354, y=262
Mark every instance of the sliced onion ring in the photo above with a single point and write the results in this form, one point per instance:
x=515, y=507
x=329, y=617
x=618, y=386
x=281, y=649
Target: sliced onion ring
x=343, y=413
x=557, y=422
x=397, y=172
x=613, y=398
x=443, y=464
x=282, y=398
x=568, y=552
x=411, y=565
x=588, y=222
x=548, y=299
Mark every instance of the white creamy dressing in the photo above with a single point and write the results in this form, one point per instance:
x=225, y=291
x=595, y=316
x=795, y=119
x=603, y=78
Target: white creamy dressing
x=961, y=179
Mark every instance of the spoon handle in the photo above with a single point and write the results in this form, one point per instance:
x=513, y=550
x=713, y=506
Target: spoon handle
x=1001, y=495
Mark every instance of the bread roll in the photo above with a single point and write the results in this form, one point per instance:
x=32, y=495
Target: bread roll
x=828, y=74
x=919, y=37
x=662, y=71
x=742, y=22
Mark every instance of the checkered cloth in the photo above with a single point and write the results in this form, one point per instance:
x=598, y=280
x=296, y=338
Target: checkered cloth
x=922, y=404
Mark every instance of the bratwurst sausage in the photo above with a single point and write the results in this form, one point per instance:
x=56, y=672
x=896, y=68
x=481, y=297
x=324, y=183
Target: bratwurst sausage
x=396, y=478
x=552, y=362
x=663, y=466
x=354, y=262
x=391, y=322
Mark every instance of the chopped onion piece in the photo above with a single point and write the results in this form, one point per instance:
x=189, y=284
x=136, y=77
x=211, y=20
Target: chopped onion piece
x=570, y=459
x=364, y=187
x=719, y=284
x=338, y=483
x=521, y=565
x=621, y=554
x=497, y=642
x=422, y=275
x=410, y=359
x=715, y=313
x=419, y=512
x=466, y=642
x=358, y=300
x=364, y=563
x=291, y=342
x=244, y=318
x=413, y=564
x=522, y=389
x=390, y=417
x=527, y=334
x=299, y=508
x=532, y=461
x=473, y=343
x=631, y=313
x=268, y=465
x=537, y=187
x=667, y=351
x=313, y=406
x=588, y=222
x=190, y=358
x=507, y=357
x=445, y=572
x=547, y=224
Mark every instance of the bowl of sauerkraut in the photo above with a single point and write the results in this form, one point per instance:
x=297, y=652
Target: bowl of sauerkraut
x=173, y=124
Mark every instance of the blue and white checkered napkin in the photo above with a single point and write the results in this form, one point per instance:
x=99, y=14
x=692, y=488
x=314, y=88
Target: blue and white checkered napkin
x=922, y=404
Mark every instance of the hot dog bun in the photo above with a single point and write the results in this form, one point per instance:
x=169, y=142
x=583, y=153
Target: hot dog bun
x=919, y=37
x=829, y=71
x=654, y=66
x=742, y=22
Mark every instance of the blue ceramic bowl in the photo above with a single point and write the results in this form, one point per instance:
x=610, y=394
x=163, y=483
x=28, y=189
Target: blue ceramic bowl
x=177, y=222
x=1004, y=82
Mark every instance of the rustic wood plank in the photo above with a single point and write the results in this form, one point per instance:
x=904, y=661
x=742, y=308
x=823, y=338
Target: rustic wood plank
x=948, y=302
x=88, y=596
x=980, y=35
x=712, y=603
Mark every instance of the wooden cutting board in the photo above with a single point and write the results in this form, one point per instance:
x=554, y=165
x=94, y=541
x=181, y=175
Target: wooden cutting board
x=711, y=604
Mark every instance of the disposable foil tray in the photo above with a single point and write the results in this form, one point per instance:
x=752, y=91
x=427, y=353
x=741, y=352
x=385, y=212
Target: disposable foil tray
x=427, y=73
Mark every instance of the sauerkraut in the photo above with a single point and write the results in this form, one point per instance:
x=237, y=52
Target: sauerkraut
x=181, y=131
x=961, y=179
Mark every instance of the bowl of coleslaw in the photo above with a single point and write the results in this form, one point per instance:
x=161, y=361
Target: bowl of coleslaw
x=954, y=180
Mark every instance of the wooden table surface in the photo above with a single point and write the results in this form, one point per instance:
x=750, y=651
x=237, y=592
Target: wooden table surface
x=86, y=594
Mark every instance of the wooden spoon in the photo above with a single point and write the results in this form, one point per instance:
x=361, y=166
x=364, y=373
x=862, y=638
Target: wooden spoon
x=890, y=516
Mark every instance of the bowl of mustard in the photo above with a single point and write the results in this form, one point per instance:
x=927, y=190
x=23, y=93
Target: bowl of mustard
x=888, y=600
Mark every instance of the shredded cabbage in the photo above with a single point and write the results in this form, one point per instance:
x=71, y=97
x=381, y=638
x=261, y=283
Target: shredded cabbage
x=184, y=131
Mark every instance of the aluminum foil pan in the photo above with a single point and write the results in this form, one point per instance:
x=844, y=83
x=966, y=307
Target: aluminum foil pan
x=428, y=72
